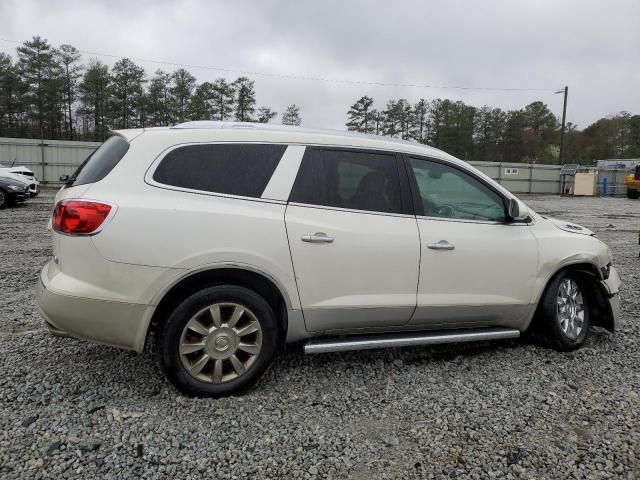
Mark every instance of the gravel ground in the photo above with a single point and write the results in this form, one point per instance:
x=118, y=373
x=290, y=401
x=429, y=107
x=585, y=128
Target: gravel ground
x=70, y=409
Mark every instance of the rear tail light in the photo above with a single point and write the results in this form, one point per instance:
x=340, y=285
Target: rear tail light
x=79, y=217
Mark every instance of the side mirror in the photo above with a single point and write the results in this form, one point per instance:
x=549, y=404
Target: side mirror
x=518, y=211
x=64, y=178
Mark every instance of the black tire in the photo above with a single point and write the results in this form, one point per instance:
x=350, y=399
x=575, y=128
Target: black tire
x=169, y=336
x=632, y=193
x=546, y=329
x=4, y=200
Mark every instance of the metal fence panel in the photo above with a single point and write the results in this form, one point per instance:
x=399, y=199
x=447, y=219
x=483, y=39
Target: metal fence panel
x=60, y=157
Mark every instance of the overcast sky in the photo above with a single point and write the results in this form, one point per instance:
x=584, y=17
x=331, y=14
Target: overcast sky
x=591, y=46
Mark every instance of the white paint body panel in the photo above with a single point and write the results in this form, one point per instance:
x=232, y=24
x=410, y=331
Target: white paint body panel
x=487, y=279
x=366, y=277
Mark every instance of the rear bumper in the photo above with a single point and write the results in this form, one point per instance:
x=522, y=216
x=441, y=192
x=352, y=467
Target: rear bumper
x=117, y=324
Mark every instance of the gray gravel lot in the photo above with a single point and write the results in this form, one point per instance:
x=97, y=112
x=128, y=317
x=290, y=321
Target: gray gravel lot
x=501, y=409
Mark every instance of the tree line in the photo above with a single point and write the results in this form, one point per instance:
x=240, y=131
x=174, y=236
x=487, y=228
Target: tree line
x=47, y=92
x=530, y=134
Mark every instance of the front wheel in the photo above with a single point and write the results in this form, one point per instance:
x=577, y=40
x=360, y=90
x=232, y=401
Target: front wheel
x=632, y=193
x=218, y=342
x=4, y=200
x=563, y=318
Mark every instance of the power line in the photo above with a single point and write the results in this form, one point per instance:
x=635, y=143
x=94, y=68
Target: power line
x=307, y=78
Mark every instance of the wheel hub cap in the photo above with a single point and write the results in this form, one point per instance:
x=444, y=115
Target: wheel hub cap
x=570, y=308
x=220, y=342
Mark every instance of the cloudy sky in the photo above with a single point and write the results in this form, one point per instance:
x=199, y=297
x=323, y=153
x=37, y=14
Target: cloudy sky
x=536, y=45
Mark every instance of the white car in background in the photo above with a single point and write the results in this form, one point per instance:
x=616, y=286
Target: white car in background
x=23, y=174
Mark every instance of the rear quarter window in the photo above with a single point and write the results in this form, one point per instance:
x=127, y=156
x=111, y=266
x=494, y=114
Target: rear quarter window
x=100, y=163
x=233, y=169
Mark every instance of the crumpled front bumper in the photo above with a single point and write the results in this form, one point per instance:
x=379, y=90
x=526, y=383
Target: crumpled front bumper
x=611, y=286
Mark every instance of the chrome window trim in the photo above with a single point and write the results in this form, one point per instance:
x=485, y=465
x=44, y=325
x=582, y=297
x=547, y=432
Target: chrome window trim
x=484, y=222
x=351, y=210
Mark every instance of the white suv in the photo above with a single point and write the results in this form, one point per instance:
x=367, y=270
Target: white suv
x=228, y=240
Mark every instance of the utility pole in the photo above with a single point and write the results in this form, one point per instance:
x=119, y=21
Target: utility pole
x=564, y=118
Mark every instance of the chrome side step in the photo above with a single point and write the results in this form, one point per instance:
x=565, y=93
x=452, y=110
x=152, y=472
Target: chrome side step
x=369, y=342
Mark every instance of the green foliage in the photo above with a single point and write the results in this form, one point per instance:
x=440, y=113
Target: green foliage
x=245, y=99
x=291, y=115
x=360, y=116
x=183, y=85
x=531, y=134
x=48, y=92
x=68, y=57
x=126, y=93
x=265, y=115
x=39, y=74
x=200, y=106
x=94, y=96
x=224, y=101
x=159, y=100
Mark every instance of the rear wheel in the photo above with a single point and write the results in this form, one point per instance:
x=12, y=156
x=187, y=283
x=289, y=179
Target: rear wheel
x=632, y=193
x=218, y=341
x=563, y=318
x=4, y=201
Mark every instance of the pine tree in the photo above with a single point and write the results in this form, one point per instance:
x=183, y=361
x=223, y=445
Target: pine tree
x=291, y=116
x=35, y=60
x=224, y=99
x=183, y=85
x=421, y=116
x=159, y=99
x=200, y=107
x=68, y=57
x=11, y=92
x=94, y=97
x=399, y=119
x=265, y=114
x=245, y=99
x=126, y=89
x=360, y=117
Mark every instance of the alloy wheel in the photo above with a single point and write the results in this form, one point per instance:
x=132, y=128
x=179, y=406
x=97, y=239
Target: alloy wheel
x=570, y=308
x=220, y=342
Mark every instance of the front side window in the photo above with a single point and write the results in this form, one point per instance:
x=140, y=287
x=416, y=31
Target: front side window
x=233, y=169
x=447, y=192
x=348, y=179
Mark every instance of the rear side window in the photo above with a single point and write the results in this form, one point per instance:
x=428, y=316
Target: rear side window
x=233, y=169
x=348, y=179
x=100, y=163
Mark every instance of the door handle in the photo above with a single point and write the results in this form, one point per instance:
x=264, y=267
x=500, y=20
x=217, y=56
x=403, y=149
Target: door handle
x=317, y=238
x=441, y=245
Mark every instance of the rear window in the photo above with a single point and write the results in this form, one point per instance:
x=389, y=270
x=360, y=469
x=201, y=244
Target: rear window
x=233, y=169
x=100, y=163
